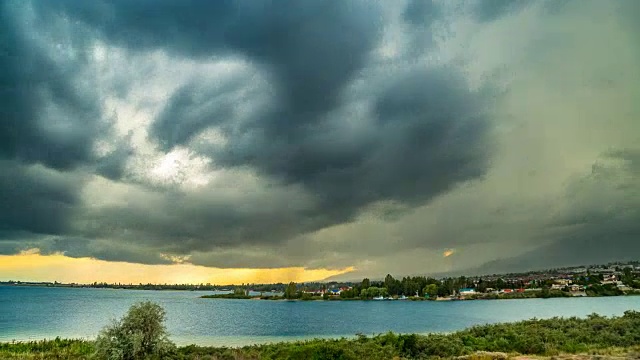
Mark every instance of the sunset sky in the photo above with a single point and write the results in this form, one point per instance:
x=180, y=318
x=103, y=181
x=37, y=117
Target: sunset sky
x=256, y=141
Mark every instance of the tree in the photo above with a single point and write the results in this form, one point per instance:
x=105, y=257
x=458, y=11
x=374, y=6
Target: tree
x=373, y=291
x=627, y=277
x=431, y=290
x=545, y=293
x=482, y=286
x=391, y=284
x=239, y=291
x=348, y=294
x=443, y=290
x=365, y=283
x=140, y=334
x=291, y=291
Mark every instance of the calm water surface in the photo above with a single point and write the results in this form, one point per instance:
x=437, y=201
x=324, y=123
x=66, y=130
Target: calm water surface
x=28, y=313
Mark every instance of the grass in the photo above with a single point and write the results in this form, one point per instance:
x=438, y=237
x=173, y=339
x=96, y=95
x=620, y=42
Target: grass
x=592, y=336
x=47, y=349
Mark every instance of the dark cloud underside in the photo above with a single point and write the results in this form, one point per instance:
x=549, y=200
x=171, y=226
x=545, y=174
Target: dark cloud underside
x=313, y=123
x=429, y=119
x=31, y=83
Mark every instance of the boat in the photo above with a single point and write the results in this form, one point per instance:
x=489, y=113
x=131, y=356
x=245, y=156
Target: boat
x=378, y=298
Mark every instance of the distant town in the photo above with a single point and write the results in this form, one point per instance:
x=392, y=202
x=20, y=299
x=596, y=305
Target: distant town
x=612, y=279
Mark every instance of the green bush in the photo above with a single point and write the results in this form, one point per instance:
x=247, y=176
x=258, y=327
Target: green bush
x=139, y=335
x=126, y=340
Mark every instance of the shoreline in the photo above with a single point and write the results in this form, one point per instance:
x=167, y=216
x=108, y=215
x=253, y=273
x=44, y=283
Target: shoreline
x=636, y=292
x=443, y=299
x=592, y=335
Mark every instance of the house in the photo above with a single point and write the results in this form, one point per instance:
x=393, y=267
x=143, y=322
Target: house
x=610, y=281
x=467, y=291
x=624, y=287
x=575, y=287
x=313, y=292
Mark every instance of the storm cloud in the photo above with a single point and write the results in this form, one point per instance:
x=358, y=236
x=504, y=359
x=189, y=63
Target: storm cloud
x=320, y=134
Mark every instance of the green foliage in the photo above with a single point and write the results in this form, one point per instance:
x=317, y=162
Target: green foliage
x=604, y=290
x=307, y=297
x=291, y=291
x=594, y=334
x=47, y=349
x=431, y=290
x=532, y=337
x=239, y=291
x=349, y=294
x=365, y=284
x=373, y=291
x=140, y=334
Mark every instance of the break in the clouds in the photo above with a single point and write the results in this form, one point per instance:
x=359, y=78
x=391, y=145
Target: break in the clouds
x=321, y=134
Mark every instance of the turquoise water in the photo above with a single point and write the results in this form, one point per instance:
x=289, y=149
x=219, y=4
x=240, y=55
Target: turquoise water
x=28, y=313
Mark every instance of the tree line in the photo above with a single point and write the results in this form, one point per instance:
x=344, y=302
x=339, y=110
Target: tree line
x=368, y=289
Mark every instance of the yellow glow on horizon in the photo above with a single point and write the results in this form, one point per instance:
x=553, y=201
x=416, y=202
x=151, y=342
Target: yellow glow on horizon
x=32, y=266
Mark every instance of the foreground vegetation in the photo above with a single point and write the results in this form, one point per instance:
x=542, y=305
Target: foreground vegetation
x=141, y=335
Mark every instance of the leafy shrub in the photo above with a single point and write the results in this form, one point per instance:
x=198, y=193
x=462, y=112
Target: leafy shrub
x=140, y=334
x=125, y=340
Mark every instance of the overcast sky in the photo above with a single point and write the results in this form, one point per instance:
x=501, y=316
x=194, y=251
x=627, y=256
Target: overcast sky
x=376, y=135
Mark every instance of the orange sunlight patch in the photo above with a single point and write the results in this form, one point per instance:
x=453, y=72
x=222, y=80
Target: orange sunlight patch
x=32, y=266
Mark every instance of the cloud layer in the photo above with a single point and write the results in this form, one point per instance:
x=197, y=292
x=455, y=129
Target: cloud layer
x=322, y=135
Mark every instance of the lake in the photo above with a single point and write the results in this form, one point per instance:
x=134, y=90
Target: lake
x=29, y=313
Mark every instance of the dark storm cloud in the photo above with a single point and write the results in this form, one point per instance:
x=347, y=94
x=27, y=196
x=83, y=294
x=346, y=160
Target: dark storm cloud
x=426, y=136
x=421, y=12
x=428, y=119
x=599, y=222
x=178, y=223
x=321, y=121
x=35, y=200
x=43, y=115
x=425, y=133
x=491, y=10
x=313, y=47
x=103, y=250
x=14, y=241
x=197, y=106
x=191, y=27
x=421, y=16
x=112, y=165
x=49, y=122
